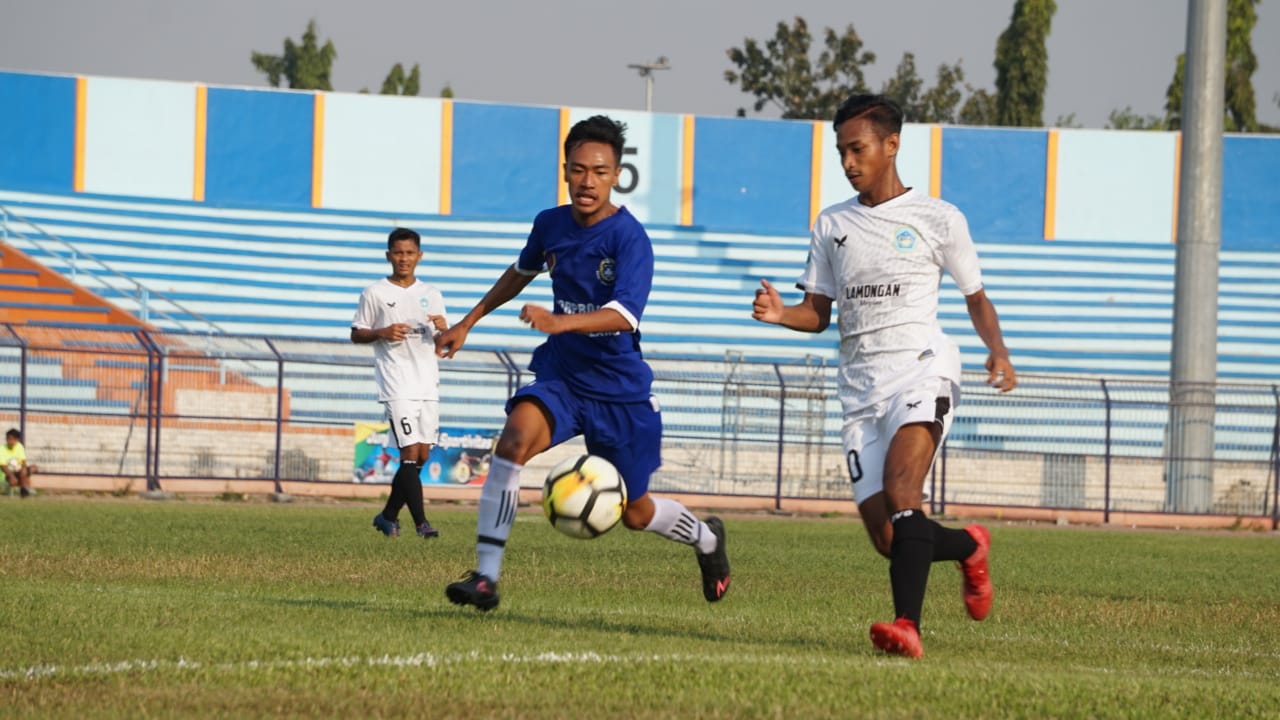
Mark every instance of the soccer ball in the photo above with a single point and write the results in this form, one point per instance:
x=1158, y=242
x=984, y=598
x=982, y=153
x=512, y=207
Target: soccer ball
x=584, y=496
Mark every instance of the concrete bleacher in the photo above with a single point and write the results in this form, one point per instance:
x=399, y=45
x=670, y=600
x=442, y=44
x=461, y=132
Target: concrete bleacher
x=1066, y=307
x=49, y=387
x=1073, y=309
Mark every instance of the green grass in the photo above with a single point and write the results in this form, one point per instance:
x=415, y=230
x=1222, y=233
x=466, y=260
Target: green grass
x=129, y=608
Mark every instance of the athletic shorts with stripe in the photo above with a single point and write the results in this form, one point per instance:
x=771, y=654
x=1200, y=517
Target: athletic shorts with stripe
x=627, y=434
x=867, y=433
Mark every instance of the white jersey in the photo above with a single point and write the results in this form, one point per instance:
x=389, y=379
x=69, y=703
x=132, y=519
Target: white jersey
x=405, y=370
x=883, y=266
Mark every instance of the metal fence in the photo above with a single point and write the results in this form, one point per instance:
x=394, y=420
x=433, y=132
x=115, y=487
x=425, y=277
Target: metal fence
x=155, y=407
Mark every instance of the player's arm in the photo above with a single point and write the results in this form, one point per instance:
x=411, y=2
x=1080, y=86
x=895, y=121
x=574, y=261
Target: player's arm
x=621, y=314
x=506, y=288
x=606, y=319
x=811, y=314
x=362, y=327
x=390, y=333
x=436, y=313
x=985, y=321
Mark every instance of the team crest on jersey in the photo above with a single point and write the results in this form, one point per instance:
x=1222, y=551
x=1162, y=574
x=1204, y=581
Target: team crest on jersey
x=905, y=238
x=424, y=303
x=607, y=272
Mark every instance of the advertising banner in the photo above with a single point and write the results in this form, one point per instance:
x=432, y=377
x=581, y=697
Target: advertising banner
x=459, y=457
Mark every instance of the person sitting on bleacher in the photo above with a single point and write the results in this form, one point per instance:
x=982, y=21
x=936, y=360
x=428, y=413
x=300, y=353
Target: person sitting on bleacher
x=13, y=458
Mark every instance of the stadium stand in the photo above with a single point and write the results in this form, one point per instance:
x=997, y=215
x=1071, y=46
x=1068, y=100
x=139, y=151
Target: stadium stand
x=1095, y=309
x=29, y=291
x=222, y=280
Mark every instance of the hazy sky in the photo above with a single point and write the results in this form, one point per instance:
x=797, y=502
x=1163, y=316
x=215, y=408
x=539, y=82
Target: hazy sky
x=1103, y=54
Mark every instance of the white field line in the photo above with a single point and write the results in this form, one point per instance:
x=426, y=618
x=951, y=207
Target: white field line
x=432, y=660
x=419, y=660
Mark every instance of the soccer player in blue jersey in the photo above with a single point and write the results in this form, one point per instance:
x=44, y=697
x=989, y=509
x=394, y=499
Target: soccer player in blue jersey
x=590, y=378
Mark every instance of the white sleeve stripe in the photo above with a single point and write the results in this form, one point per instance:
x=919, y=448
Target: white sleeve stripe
x=625, y=313
x=522, y=271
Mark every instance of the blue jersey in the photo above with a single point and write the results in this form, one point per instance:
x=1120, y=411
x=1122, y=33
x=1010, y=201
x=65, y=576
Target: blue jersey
x=606, y=265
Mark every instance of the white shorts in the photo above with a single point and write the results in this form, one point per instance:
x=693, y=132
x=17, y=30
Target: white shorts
x=414, y=422
x=867, y=433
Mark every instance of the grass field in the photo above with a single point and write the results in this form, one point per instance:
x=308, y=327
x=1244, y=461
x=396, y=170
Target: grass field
x=130, y=608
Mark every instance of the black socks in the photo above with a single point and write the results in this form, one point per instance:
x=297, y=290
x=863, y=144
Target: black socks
x=911, y=554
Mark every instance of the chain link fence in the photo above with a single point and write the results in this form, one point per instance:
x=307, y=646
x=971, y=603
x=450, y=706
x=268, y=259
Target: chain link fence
x=156, y=407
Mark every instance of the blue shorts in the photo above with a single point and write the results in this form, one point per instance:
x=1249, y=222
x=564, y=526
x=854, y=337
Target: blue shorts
x=627, y=434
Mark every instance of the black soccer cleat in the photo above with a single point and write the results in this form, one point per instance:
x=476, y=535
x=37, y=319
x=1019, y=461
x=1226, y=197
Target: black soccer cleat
x=387, y=527
x=426, y=531
x=715, y=565
x=474, y=589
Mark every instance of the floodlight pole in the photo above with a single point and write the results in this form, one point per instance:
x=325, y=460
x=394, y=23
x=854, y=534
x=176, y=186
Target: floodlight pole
x=1194, y=363
x=646, y=72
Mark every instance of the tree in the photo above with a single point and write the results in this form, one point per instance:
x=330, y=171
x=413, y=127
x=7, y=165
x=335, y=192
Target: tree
x=1127, y=119
x=904, y=88
x=783, y=75
x=1022, y=64
x=398, y=83
x=1241, y=105
x=305, y=66
x=1067, y=121
x=447, y=90
x=934, y=105
x=941, y=101
x=979, y=109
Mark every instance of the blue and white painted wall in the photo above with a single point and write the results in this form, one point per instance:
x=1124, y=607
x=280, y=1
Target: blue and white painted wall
x=279, y=149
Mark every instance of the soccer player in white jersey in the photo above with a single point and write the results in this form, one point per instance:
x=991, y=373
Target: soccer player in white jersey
x=402, y=316
x=879, y=256
x=589, y=376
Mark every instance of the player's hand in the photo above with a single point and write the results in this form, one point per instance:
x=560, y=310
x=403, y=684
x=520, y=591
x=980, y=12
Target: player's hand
x=540, y=319
x=768, y=304
x=395, y=333
x=450, y=341
x=438, y=322
x=1001, y=375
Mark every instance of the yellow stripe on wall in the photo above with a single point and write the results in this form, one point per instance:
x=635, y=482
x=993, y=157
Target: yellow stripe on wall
x=82, y=101
x=1051, y=187
x=202, y=125
x=686, y=173
x=317, y=153
x=1177, y=179
x=562, y=193
x=935, y=161
x=815, y=173
x=446, y=157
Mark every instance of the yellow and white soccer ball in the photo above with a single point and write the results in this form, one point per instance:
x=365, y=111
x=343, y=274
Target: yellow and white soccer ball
x=584, y=496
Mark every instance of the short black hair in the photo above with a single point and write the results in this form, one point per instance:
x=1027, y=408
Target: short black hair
x=403, y=234
x=883, y=113
x=597, y=128
x=13, y=433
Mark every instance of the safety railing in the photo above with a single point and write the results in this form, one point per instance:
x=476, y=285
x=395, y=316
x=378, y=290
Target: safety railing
x=162, y=406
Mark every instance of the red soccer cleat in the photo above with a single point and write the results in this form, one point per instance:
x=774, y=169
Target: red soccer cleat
x=977, y=574
x=899, y=637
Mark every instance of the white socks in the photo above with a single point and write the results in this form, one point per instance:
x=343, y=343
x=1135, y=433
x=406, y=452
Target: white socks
x=498, y=500
x=673, y=521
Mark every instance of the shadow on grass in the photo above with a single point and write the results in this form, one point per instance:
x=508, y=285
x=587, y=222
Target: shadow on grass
x=551, y=623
